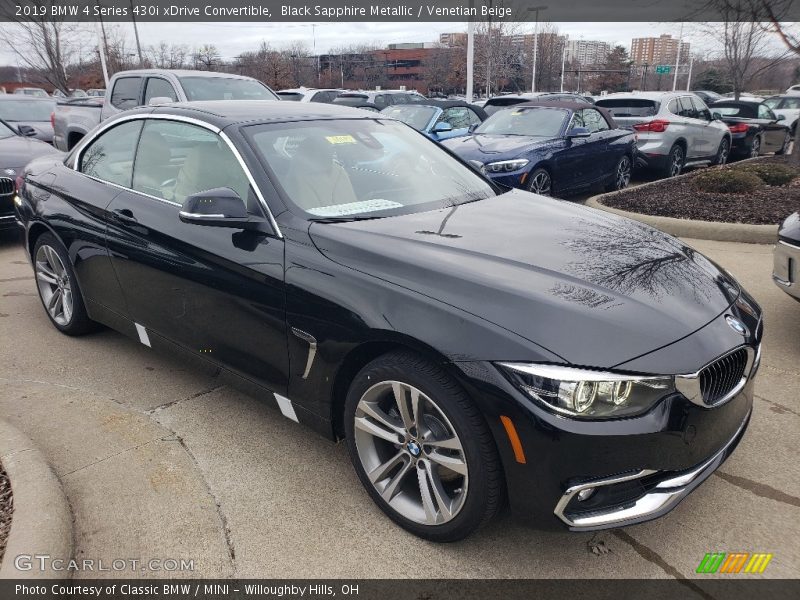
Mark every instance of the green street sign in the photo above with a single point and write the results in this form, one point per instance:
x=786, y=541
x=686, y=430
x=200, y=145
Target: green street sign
x=663, y=69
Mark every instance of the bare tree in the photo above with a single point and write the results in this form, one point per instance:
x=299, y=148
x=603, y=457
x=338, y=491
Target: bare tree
x=167, y=56
x=44, y=44
x=207, y=57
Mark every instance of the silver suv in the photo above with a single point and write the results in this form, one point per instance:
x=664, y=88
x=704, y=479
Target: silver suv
x=674, y=129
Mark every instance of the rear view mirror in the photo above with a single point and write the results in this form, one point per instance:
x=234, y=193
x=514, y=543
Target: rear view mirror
x=26, y=130
x=219, y=207
x=156, y=100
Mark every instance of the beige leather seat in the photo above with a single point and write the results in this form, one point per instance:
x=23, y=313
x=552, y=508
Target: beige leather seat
x=209, y=166
x=152, y=167
x=315, y=179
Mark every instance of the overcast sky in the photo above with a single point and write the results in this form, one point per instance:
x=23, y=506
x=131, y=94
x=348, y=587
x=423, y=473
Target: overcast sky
x=233, y=38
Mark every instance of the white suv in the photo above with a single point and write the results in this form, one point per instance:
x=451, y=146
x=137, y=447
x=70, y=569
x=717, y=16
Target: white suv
x=674, y=129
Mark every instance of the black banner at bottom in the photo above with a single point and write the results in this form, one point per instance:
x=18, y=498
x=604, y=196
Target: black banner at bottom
x=727, y=588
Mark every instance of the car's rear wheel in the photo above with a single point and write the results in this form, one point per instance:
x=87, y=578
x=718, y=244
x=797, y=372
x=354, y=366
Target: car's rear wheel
x=421, y=449
x=58, y=287
x=755, y=147
x=622, y=175
x=723, y=152
x=675, y=160
x=787, y=139
x=540, y=182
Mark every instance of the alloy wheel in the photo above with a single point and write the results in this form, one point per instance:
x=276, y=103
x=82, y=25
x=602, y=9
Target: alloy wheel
x=724, y=151
x=411, y=453
x=54, y=285
x=755, y=148
x=623, y=175
x=676, y=162
x=540, y=183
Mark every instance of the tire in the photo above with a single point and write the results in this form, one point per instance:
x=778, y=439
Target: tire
x=675, y=160
x=540, y=182
x=622, y=175
x=787, y=140
x=58, y=287
x=455, y=502
x=723, y=152
x=755, y=147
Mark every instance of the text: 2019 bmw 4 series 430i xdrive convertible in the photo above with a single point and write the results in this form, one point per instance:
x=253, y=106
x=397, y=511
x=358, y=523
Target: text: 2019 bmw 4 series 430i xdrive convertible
x=473, y=346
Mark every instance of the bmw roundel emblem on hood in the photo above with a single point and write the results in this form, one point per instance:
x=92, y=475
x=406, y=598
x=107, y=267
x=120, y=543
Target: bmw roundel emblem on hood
x=736, y=325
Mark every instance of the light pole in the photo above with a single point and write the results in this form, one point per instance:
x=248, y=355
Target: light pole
x=677, y=59
x=535, y=9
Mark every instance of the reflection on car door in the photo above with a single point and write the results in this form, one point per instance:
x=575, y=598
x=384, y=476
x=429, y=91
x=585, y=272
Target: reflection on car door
x=213, y=290
x=774, y=131
x=697, y=143
x=711, y=135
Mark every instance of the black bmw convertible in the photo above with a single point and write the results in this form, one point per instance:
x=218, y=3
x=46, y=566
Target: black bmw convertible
x=473, y=345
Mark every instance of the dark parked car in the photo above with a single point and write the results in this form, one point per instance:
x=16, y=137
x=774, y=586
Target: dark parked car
x=438, y=119
x=707, y=96
x=755, y=129
x=31, y=116
x=16, y=151
x=551, y=148
x=786, y=270
x=492, y=105
x=470, y=343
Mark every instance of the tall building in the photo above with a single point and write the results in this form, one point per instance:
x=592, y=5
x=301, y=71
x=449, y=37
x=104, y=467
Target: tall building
x=453, y=39
x=587, y=52
x=660, y=50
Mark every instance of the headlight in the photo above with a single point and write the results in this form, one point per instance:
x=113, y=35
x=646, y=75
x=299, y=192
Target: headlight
x=505, y=166
x=588, y=394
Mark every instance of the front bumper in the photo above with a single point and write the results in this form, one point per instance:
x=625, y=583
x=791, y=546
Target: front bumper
x=786, y=268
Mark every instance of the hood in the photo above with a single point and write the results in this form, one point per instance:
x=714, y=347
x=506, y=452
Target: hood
x=594, y=288
x=17, y=151
x=489, y=148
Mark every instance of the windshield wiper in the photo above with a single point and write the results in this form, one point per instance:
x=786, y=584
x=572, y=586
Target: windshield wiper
x=345, y=219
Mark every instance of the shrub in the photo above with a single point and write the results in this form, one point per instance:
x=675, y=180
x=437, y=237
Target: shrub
x=726, y=181
x=771, y=173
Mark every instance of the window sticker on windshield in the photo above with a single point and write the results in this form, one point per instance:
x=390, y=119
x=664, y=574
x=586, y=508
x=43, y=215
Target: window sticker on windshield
x=352, y=208
x=519, y=111
x=341, y=139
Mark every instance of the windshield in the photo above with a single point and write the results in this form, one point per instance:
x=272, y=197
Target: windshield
x=350, y=168
x=533, y=121
x=26, y=110
x=6, y=131
x=225, y=88
x=416, y=116
x=629, y=107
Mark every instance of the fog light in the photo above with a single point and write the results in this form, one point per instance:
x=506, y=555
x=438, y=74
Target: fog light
x=17, y=200
x=585, y=494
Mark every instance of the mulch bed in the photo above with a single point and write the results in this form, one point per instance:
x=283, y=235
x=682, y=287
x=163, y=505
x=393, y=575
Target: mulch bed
x=6, y=508
x=679, y=199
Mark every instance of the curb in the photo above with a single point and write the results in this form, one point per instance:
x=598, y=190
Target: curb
x=702, y=230
x=42, y=520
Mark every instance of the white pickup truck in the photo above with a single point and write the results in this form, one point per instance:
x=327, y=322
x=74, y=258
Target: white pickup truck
x=74, y=118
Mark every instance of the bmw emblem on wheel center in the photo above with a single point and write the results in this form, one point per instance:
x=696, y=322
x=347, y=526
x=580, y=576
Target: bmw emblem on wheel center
x=413, y=448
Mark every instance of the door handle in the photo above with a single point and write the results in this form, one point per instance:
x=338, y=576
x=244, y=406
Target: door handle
x=124, y=215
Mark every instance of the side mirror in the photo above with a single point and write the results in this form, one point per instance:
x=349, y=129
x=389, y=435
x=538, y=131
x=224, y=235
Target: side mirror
x=442, y=127
x=716, y=116
x=26, y=130
x=219, y=207
x=473, y=127
x=780, y=118
x=156, y=100
x=578, y=132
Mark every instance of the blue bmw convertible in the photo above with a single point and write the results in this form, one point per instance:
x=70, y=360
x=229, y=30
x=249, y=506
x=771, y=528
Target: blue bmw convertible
x=551, y=149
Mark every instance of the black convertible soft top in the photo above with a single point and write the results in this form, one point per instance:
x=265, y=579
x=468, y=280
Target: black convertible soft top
x=572, y=107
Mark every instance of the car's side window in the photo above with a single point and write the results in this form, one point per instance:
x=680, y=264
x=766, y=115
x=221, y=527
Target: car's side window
x=125, y=94
x=594, y=121
x=577, y=120
x=687, y=109
x=159, y=88
x=110, y=156
x=380, y=101
x=790, y=103
x=175, y=160
x=457, y=116
x=701, y=108
x=474, y=119
x=673, y=107
x=765, y=113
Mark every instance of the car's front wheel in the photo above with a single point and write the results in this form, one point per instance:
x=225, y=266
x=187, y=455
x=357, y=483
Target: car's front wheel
x=723, y=152
x=755, y=147
x=622, y=175
x=540, y=182
x=787, y=140
x=58, y=287
x=421, y=448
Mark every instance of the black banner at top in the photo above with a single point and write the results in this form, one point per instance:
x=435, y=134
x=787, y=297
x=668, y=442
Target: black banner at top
x=322, y=11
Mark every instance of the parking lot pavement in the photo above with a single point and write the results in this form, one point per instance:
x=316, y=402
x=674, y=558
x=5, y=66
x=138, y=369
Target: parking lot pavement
x=160, y=461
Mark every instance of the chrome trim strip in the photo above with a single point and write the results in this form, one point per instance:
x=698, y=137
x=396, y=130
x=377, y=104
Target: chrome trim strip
x=785, y=243
x=86, y=141
x=189, y=215
x=7, y=218
x=669, y=492
x=312, y=348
